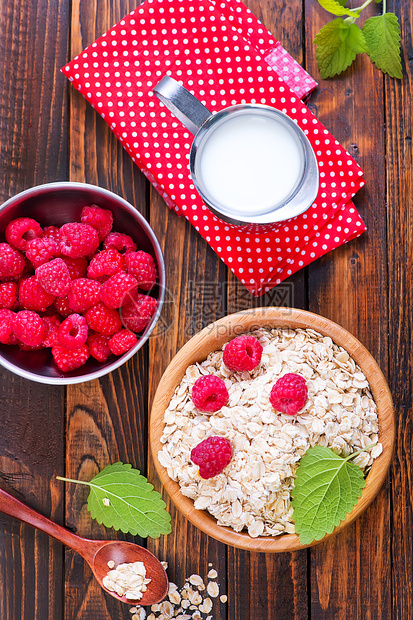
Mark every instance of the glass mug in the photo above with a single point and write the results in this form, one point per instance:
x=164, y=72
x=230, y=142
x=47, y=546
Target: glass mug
x=250, y=163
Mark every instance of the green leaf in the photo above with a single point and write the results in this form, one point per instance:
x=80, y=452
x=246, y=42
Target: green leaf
x=336, y=7
x=338, y=43
x=382, y=34
x=123, y=499
x=325, y=490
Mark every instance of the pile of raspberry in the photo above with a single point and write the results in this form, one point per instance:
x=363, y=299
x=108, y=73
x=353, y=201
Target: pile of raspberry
x=80, y=289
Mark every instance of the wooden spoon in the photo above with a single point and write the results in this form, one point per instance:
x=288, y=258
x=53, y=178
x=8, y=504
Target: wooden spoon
x=97, y=553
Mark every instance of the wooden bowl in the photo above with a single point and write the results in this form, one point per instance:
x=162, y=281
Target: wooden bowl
x=211, y=339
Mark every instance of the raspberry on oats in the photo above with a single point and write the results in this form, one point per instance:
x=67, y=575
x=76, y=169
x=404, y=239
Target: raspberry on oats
x=115, y=289
x=8, y=295
x=77, y=266
x=105, y=264
x=122, y=341
x=100, y=219
x=98, y=347
x=120, y=242
x=54, y=277
x=41, y=250
x=67, y=360
x=137, y=312
x=84, y=294
x=142, y=266
x=212, y=455
x=209, y=393
x=29, y=328
x=103, y=320
x=73, y=332
x=77, y=240
x=242, y=353
x=6, y=325
x=21, y=230
x=12, y=262
x=32, y=295
x=289, y=394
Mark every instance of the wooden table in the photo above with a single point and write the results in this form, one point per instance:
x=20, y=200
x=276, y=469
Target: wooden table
x=47, y=133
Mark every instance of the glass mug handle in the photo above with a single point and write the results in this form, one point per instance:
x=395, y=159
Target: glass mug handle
x=191, y=112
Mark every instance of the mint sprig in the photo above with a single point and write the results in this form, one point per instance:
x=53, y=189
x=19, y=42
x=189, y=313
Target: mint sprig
x=339, y=41
x=120, y=497
x=326, y=489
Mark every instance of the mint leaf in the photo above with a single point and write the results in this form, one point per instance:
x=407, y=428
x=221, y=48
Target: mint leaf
x=338, y=43
x=336, y=7
x=382, y=34
x=325, y=490
x=120, y=497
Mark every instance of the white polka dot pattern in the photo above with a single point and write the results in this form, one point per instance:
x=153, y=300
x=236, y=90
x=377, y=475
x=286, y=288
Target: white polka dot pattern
x=223, y=55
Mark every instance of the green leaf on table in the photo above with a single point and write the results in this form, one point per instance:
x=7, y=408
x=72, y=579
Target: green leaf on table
x=120, y=497
x=336, y=7
x=382, y=34
x=326, y=489
x=338, y=43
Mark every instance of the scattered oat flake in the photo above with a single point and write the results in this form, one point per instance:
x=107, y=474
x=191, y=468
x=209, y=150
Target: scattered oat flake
x=212, y=574
x=223, y=598
x=213, y=589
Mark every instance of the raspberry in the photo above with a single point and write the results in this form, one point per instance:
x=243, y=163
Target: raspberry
x=137, y=312
x=115, y=289
x=242, y=353
x=209, y=393
x=122, y=341
x=100, y=219
x=78, y=240
x=20, y=231
x=212, y=455
x=77, y=267
x=41, y=250
x=84, y=294
x=6, y=326
x=62, y=306
x=29, y=328
x=32, y=295
x=73, y=332
x=103, y=320
x=289, y=394
x=98, y=347
x=51, y=232
x=120, y=242
x=8, y=294
x=12, y=262
x=106, y=264
x=54, y=277
x=142, y=266
x=51, y=324
x=67, y=360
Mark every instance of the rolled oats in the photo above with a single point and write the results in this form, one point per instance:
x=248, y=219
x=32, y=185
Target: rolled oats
x=253, y=492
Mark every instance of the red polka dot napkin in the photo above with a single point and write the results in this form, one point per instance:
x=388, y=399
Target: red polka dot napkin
x=221, y=53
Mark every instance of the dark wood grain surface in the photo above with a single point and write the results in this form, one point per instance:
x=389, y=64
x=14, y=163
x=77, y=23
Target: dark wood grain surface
x=48, y=132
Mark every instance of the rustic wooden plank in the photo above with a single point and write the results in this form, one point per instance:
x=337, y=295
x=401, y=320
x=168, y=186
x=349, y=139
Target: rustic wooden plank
x=106, y=419
x=270, y=586
x=400, y=259
x=350, y=575
x=33, y=137
x=195, y=297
